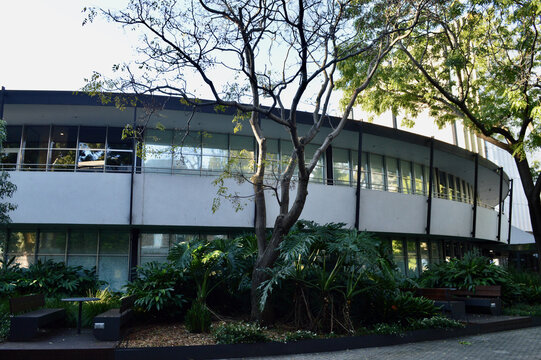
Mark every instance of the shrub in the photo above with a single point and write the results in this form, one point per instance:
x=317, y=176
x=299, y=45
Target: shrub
x=523, y=310
x=54, y=279
x=435, y=322
x=238, y=333
x=467, y=273
x=403, y=307
x=156, y=288
x=197, y=318
x=299, y=335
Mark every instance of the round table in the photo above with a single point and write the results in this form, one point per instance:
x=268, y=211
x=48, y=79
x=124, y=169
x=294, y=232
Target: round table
x=80, y=300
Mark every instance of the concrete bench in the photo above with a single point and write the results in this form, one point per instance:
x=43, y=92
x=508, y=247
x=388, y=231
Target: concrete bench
x=484, y=299
x=108, y=325
x=444, y=299
x=25, y=326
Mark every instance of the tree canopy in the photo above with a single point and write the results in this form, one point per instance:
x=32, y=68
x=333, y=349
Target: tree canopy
x=474, y=61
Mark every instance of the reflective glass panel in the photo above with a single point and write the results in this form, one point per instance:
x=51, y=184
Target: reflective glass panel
x=392, y=174
x=451, y=186
x=87, y=262
x=419, y=179
x=36, y=137
x=113, y=242
x=62, y=160
x=364, y=173
x=319, y=171
x=442, y=184
x=435, y=252
x=177, y=238
x=114, y=139
x=341, y=166
x=22, y=243
x=154, y=244
x=92, y=137
x=242, y=149
x=187, y=150
x=63, y=137
x=114, y=270
x=398, y=255
x=423, y=247
x=376, y=172
x=119, y=161
x=273, y=159
x=405, y=174
x=412, y=258
x=91, y=160
x=83, y=242
x=215, y=152
x=35, y=159
x=9, y=159
x=52, y=243
x=13, y=137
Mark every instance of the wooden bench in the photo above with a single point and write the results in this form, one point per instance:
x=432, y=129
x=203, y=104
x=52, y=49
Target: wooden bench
x=25, y=326
x=444, y=299
x=485, y=299
x=108, y=325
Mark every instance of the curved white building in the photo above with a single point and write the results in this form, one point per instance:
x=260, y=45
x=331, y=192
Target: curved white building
x=86, y=198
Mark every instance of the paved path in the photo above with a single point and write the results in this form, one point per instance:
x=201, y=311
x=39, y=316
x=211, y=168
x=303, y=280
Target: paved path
x=516, y=344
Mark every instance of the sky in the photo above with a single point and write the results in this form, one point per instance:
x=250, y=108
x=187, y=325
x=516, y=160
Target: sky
x=45, y=47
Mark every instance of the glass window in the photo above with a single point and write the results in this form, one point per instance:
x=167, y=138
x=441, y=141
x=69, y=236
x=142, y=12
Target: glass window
x=364, y=169
x=318, y=174
x=341, y=166
x=442, y=184
x=115, y=141
x=154, y=244
x=451, y=183
x=62, y=160
x=242, y=148
x=423, y=247
x=119, y=161
x=9, y=159
x=35, y=159
x=458, y=184
x=273, y=159
x=113, y=258
x=187, y=152
x=435, y=251
x=92, y=137
x=22, y=246
x=215, y=152
x=419, y=179
x=405, y=174
x=36, y=137
x=178, y=238
x=286, y=149
x=412, y=258
x=64, y=137
x=13, y=137
x=91, y=160
x=52, y=243
x=158, y=151
x=392, y=174
x=83, y=248
x=376, y=172
x=398, y=255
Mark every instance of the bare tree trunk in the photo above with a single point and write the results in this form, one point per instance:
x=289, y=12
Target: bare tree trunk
x=266, y=260
x=532, y=192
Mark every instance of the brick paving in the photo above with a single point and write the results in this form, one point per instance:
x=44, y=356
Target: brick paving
x=515, y=344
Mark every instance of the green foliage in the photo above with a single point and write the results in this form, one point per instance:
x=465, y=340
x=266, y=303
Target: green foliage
x=299, y=335
x=54, y=279
x=7, y=188
x=156, y=288
x=4, y=319
x=467, y=273
x=523, y=310
x=197, y=318
x=400, y=328
x=239, y=333
x=405, y=308
x=325, y=268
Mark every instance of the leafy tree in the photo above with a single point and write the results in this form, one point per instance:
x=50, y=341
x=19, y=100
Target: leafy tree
x=248, y=53
x=477, y=61
x=7, y=188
